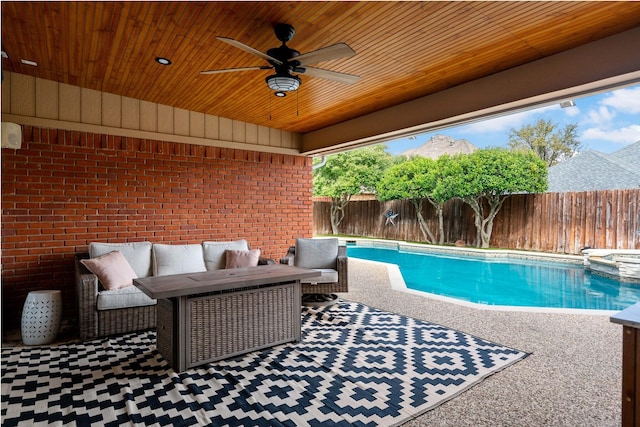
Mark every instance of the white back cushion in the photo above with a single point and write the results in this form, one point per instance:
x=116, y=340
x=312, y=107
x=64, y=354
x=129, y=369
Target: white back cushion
x=177, y=259
x=214, y=252
x=316, y=253
x=137, y=254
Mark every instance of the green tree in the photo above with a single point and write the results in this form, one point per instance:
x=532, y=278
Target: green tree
x=488, y=177
x=349, y=173
x=416, y=180
x=545, y=139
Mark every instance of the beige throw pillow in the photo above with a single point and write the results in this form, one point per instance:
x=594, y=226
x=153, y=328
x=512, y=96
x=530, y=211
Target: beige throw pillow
x=237, y=258
x=112, y=269
x=214, y=252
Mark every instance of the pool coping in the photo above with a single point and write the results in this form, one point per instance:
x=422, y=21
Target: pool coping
x=458, y=250
x=397, y=281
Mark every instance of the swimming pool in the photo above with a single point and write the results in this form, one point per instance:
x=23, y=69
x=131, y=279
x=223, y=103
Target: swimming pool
x=505, y=281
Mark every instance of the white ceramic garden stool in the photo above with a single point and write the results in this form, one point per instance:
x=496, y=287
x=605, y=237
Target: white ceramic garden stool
x=41, y=317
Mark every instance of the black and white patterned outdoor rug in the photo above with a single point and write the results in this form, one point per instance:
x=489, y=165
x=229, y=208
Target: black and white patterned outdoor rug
x=355, y=366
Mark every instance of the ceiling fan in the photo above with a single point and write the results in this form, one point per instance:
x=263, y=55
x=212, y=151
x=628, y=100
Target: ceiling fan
x=286, y=61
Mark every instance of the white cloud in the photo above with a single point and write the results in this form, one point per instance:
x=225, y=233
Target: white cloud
x=603, y=123
x=602, y=117
x=625, y=135
x=572, y=111
x=624, y=100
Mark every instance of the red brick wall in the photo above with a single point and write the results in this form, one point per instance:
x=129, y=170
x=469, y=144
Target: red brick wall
x=65, y=189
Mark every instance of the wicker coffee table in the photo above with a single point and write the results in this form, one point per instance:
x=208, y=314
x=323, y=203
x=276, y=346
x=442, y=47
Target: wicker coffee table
x=213, y=315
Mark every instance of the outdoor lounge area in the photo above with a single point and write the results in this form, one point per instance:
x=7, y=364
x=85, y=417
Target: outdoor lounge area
x=181, y=123
x=570, y=377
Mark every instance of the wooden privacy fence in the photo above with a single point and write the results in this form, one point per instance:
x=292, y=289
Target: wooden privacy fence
x=549, y=222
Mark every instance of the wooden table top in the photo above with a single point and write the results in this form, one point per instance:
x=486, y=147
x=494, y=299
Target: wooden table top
x=630, y=316
x=219, y=280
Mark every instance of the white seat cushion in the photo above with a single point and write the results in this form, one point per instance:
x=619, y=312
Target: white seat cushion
x=137, y=254
x=327, y=275
x=177, y=259
x=123, y=298
x=214, y=252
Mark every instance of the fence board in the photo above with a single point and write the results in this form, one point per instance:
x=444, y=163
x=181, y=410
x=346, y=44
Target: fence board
x=633, y=229
x=576, y=223
x=591, y=220
x=550, y=222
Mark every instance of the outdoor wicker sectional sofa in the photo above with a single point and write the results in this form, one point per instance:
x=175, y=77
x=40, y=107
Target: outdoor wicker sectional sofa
x=110, y=310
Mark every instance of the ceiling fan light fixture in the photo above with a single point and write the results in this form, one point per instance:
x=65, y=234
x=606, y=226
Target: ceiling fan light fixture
x=283, y=83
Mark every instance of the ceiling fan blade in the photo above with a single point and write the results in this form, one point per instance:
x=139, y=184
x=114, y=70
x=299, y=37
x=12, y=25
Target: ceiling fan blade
x=329, y=75
x=249, y=49
x=338, y=50
x=229, y=70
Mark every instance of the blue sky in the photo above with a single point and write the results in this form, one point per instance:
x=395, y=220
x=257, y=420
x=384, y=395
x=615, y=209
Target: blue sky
x=606, y=122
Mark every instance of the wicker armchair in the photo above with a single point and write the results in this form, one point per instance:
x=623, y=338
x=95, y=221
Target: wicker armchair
x=324, y=255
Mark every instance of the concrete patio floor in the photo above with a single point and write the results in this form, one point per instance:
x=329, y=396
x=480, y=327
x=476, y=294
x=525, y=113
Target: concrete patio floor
x=571, y=378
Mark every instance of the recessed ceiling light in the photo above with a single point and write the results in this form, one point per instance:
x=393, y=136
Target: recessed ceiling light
x=280, y=93
x=163, y=61
x=27, y=62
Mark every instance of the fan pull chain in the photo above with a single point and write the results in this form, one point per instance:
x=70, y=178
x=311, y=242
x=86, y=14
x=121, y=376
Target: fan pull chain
x=270, y=117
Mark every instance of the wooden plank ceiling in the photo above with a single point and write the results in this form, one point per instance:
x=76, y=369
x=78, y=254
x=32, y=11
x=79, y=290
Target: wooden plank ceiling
x=404, y=50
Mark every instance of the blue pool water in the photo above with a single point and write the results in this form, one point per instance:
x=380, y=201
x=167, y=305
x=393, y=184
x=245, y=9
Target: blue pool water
x=502, y=281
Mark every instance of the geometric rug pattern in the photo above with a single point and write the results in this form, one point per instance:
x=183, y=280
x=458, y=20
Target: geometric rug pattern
x=355, y=366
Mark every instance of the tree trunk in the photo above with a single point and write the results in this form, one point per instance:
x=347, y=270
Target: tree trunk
x=440, y=210
x=485, y=232
x=337, y=211
x=337, y=214
x=334, y=221
x=495, y=203
x=484, y=226
x=439, y=207
x=480, y=242
x=476, y=206
x=426, y=233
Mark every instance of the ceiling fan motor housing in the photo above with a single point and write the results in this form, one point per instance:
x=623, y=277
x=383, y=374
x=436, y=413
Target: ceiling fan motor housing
x=284, y=32
x=284, y=54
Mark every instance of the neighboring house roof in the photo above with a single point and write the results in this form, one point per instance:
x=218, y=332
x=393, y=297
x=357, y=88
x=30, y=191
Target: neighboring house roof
x=593, y=170
x=441, y=144
x=630, y=155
